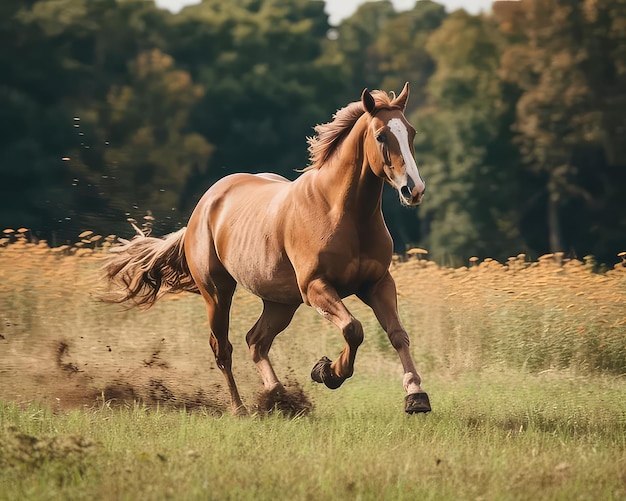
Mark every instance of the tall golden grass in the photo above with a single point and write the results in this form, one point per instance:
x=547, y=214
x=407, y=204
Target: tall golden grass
x=552, y=313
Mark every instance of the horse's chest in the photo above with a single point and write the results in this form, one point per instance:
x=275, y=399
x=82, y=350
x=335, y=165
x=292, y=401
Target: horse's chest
x=348, y=275
x=350, y=263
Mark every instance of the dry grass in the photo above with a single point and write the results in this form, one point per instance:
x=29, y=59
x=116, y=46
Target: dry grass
x=60, y=345
x=554, y=313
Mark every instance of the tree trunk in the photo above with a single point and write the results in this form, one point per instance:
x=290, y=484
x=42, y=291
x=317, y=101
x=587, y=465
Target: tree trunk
x=554, y=223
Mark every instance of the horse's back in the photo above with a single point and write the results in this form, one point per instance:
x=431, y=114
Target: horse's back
x=273, y=177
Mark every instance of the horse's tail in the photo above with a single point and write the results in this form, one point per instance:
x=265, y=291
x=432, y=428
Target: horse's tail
x=145, y=268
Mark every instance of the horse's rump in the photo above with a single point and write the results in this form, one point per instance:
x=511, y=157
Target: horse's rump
x=245, y=215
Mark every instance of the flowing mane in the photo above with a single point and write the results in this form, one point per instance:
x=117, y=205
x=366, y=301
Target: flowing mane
x=330, y=135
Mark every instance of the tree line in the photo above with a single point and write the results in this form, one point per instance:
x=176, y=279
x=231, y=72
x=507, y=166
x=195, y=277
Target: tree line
x=116, y=109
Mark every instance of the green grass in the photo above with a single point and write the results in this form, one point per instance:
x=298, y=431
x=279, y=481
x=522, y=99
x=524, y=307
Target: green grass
x=491, y=436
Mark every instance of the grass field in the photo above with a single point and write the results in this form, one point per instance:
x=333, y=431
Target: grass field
x=524, y=362
x=489, y=437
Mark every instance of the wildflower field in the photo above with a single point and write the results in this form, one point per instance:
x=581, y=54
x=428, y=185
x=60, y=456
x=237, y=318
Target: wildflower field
x=524, y=362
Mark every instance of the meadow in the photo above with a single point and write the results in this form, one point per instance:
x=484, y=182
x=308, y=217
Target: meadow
x=524, y=362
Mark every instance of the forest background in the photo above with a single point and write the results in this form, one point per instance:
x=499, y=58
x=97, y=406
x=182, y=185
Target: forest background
x=118, y=109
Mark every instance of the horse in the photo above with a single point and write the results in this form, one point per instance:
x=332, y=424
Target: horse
x=314, y=240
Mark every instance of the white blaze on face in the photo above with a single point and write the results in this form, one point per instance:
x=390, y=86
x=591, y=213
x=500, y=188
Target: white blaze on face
x=399, y=130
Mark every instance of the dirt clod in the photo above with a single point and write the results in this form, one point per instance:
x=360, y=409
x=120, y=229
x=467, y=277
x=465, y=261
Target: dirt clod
x=290, y=401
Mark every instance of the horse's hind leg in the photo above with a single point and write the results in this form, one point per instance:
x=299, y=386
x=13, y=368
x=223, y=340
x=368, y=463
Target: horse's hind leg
x=217, y=289
x=324, y=298
x=274, y=319
x=218, y=302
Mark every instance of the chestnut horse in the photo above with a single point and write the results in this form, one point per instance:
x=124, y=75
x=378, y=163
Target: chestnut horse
x=315, y=240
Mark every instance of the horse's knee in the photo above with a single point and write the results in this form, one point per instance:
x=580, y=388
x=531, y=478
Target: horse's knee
x=252, y=342
x=353, y=333
x=399, y=339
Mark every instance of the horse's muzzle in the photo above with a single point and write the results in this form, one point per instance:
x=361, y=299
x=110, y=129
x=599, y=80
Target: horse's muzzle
x=411, y=197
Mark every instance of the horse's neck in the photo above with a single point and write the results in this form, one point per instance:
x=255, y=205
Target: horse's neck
x=351, y=185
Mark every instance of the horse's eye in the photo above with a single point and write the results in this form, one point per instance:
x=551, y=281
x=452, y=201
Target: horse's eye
x=381, y=138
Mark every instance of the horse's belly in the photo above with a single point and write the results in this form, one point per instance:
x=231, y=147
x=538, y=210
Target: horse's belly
x=277, y=292
x=269, y=278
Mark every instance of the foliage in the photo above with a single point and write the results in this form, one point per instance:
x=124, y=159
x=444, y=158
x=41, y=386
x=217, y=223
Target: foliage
x=467, y=164
x=146, y=121
x=569, y=66
x=110, y=109
x=265, y=86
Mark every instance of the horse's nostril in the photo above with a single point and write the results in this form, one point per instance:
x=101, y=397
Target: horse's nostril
x=406, y=192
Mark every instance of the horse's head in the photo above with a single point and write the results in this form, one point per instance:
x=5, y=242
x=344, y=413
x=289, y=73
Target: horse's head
x=388, y=146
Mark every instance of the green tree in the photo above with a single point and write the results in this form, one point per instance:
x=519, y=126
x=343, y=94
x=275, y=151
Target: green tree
x=401, y=52
x=353, y=49
x=463, y=143
x=570, y=70
x=148, y=154
x=265, y=86
x=35, y=125
x=58, y=59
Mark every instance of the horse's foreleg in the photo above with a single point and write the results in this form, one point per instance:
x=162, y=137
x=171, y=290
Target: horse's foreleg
x=326, y=301
x=274, y=319
x=382, y=298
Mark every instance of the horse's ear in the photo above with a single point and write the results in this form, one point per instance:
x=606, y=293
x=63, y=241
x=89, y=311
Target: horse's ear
x=403, y=98
x=368, y=101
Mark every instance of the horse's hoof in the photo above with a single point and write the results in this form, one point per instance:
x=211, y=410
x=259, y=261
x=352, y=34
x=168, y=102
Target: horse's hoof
x=319, y=369
x=321, y=373
x=416, y=402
